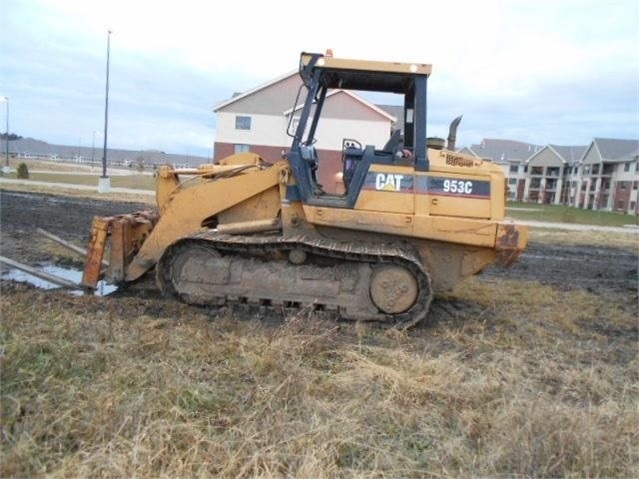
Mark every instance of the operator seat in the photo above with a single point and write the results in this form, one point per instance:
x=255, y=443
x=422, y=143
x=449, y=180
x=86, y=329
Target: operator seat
x=395, y=141
x=309, y=154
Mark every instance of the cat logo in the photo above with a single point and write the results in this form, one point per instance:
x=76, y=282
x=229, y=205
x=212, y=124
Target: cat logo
x=388, y=182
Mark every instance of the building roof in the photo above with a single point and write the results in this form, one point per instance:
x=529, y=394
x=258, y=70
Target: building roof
x=615, y=150
x=384, y=111
x=237, y=96
x=396, y=111
x=504, y=150
x=375, y=108
x=569, y=154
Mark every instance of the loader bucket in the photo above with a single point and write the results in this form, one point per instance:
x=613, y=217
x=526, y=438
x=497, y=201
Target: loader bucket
x=122, y=236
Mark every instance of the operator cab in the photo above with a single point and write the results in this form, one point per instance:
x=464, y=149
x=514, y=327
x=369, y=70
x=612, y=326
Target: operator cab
x=322, y=73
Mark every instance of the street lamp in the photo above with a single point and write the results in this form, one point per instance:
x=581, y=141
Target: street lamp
x=6, y=100
x=93, y=147
x=104, y=183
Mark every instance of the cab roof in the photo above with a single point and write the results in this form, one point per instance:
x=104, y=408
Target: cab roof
x=366, y=75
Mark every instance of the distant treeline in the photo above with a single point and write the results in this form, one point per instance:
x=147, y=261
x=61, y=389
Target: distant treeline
x=12, y=136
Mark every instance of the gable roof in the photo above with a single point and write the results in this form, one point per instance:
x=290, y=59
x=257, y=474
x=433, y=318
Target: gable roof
x=615, y=150
x=504, y=150
x=569, y=154
x=239, y=96
x=377, y=110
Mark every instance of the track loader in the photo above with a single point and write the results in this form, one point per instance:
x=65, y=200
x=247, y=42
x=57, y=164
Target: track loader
x=413, y=218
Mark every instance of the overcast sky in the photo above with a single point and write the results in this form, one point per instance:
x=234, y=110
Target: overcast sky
x=559, y=72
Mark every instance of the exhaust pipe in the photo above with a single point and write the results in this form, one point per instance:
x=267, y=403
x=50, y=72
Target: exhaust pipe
x=452, y=133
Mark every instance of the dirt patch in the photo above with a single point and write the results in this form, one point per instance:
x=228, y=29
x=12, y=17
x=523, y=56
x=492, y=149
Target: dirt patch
x=65, y=216
x=570, y=267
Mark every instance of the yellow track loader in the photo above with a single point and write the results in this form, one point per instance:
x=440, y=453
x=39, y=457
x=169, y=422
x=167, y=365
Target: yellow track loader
x=412, y=218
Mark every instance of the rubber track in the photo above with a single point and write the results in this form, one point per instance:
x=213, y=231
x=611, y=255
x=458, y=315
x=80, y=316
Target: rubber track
x=254, y=245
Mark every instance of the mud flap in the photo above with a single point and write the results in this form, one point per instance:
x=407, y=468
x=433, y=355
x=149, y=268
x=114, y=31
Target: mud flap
x=510, y=243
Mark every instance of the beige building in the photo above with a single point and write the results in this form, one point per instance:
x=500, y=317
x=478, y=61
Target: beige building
x=548, y=174
x=261, y=120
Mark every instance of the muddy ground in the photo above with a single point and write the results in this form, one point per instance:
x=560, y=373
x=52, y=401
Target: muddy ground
x=602, y=270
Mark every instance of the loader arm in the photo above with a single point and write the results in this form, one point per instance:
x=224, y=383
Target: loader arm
x=182, y=212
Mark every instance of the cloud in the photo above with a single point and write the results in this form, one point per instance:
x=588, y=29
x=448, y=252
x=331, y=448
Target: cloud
x=560, y=72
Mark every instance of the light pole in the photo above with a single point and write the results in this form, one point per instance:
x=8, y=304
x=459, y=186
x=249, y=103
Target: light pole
x=104, y=183
x=93, y=147
x=6, y=100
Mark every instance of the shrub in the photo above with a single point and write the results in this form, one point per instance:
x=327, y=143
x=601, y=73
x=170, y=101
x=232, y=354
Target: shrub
x=23, y=171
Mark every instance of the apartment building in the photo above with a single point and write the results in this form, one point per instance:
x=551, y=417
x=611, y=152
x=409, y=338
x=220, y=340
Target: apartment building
x=511, y=155
x=548, y=174
x=608, y=176
x=603, y=175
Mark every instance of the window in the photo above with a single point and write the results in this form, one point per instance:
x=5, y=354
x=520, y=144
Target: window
x=595, y=169
x=626, y=167
x=242, y=122
x=635, y=184
x=587, y=170
x=632, y=205
x=537, y=170
x=512, y=181
x=514, y=168
x=242, y=148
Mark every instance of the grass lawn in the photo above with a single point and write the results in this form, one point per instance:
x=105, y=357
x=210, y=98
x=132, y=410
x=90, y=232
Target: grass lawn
x=137, y=181
x=567, y=214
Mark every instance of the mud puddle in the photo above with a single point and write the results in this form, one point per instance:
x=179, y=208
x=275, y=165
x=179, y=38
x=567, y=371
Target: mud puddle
x=75, y=275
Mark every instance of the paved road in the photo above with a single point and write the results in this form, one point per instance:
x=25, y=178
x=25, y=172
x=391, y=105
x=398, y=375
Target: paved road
x=533, y=224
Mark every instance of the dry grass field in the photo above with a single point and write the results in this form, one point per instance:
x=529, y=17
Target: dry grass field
x=509, y=377
x=528, y=382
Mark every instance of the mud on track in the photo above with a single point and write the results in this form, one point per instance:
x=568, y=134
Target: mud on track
x=565, y=267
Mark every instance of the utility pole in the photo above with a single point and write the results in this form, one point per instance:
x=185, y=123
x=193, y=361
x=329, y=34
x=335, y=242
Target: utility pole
x=104, y=183
x=93, y=147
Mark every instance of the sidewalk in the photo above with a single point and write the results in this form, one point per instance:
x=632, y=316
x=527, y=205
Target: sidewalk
x=630, y=229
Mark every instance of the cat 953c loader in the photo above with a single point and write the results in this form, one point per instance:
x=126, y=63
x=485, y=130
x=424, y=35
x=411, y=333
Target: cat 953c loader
x=413, y=218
